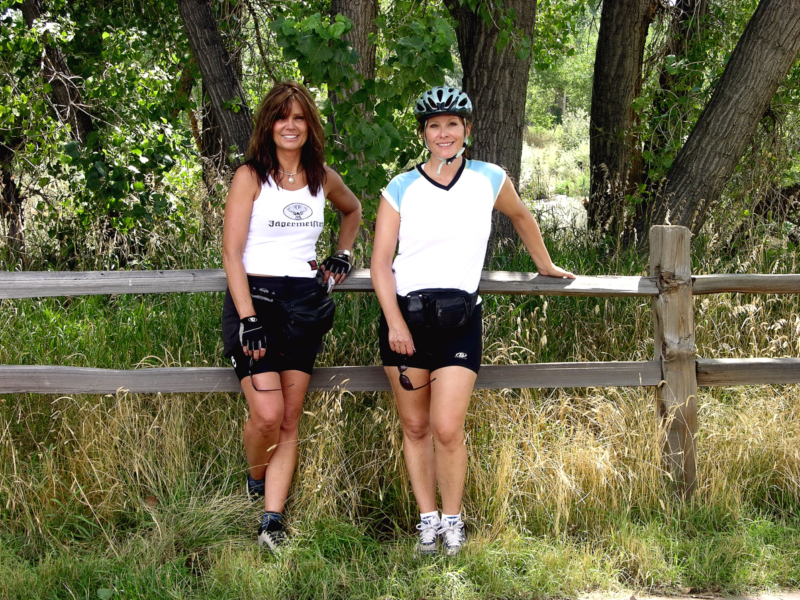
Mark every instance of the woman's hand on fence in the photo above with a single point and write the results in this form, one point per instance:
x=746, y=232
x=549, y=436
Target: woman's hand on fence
x=337, y=266
x=554, y=271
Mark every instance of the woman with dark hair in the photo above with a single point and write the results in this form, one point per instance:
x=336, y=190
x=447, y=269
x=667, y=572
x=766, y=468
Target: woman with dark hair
x=430, y=330
x=274, y=215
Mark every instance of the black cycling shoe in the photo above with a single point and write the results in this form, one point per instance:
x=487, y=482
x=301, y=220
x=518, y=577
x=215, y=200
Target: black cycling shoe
x=255, y=488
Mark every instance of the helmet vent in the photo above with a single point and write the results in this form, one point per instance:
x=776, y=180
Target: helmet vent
x=442, y=101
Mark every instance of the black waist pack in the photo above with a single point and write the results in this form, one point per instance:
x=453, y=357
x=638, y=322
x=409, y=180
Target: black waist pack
x=438, y=307
x=307, y=315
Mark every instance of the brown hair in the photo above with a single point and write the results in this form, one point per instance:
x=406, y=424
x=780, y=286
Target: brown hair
x=421, y=124
x=261, y=153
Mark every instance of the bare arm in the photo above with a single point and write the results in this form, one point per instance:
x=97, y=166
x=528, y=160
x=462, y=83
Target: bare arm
x=387, y=228
x=238, y=207
x=509, y=203
x=346, y=203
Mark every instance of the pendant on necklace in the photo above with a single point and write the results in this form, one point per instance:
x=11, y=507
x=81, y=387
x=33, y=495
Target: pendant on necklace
x=291, y=178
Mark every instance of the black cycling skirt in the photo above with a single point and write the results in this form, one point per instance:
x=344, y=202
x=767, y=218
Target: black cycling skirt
x=282, y=354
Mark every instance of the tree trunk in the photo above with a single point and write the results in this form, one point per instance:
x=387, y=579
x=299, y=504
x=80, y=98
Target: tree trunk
x=497, y=83
x=66, y=95
x=212, y=146
x=185, y=86
x=363, y=14
x=687, y=20
x=215, y=162
x=11, y=204
x=228, y=99
x=762, y=58
x=617, y=81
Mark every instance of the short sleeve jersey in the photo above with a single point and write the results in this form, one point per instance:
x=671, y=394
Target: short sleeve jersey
x=444, y=230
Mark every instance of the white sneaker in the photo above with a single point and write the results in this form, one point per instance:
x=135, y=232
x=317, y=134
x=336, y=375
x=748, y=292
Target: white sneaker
x=274, y=540
x=428, y=532
x=453, y=537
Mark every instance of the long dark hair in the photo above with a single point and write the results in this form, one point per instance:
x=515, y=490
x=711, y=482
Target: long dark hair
x=261, y=154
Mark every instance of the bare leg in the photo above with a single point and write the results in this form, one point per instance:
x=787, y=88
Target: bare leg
x=284, y=458
x=414, y=411
x=263, y=427
x=270, y=434
x=449, y=401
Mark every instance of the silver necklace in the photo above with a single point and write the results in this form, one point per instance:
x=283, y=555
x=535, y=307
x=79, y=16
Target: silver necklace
x=291, y=175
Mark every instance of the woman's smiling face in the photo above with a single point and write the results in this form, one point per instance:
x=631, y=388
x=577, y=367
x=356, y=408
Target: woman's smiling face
x=290, y=132
x=445, y=135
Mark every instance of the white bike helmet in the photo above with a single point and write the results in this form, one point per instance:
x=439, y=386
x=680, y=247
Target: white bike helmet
x=442, y=101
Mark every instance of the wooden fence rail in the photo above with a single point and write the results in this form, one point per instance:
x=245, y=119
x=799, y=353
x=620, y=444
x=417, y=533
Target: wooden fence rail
x=43, y=379
x=87, y=283
x=675, y=372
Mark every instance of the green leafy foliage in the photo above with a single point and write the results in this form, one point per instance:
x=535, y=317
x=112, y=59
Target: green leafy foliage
x=127, y=77
x=369, y=121
x=495, y=15
x=561, y=75
x=560, y=25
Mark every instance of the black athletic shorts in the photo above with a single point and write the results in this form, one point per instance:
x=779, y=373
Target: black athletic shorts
x=438, y=347
x=282, y=354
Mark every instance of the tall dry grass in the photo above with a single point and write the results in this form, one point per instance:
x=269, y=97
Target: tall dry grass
x=159, y=478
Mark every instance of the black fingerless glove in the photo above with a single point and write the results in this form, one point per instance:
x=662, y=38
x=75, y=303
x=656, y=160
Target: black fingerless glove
x=337, y=263
x=251, y=334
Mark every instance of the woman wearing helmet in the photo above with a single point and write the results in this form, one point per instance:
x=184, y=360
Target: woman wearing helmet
x=430, y=329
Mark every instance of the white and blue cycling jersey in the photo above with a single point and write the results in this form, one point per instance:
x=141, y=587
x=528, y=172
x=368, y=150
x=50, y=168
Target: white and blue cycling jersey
x=444, y=230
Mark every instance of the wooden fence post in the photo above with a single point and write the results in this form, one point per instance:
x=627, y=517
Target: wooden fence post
x=673, y=317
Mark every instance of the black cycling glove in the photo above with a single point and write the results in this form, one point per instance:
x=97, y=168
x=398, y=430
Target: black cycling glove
x=251, y=335
x=337, y=263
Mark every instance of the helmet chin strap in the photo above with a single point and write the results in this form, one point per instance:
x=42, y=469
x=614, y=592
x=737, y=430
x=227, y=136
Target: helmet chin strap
x=446, y=161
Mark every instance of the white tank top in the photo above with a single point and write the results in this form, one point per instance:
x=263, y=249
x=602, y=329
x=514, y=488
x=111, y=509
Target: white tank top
x=284, y=228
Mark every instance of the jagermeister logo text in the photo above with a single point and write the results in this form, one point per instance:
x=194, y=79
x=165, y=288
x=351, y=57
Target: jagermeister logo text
x=296, y=223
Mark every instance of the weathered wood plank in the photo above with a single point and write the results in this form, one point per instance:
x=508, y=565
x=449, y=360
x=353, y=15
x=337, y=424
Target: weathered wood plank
x=747, y=371
x=511, y=282
x=46, y=379
x=750, y=284
x=674, y=346
x=572, y=375
x=43, y=379
x=34, y=284
x=79, y=380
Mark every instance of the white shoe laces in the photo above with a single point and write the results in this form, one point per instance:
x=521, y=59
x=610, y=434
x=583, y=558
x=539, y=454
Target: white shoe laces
x=453, y=534
x=428, y=531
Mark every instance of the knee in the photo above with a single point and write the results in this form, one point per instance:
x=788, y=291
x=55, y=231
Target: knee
x=290, y=421
x=447, y=435
x=417, y=429
x=266, y=419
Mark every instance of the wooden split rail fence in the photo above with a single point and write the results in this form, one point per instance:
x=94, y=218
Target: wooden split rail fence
x=674, y=372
